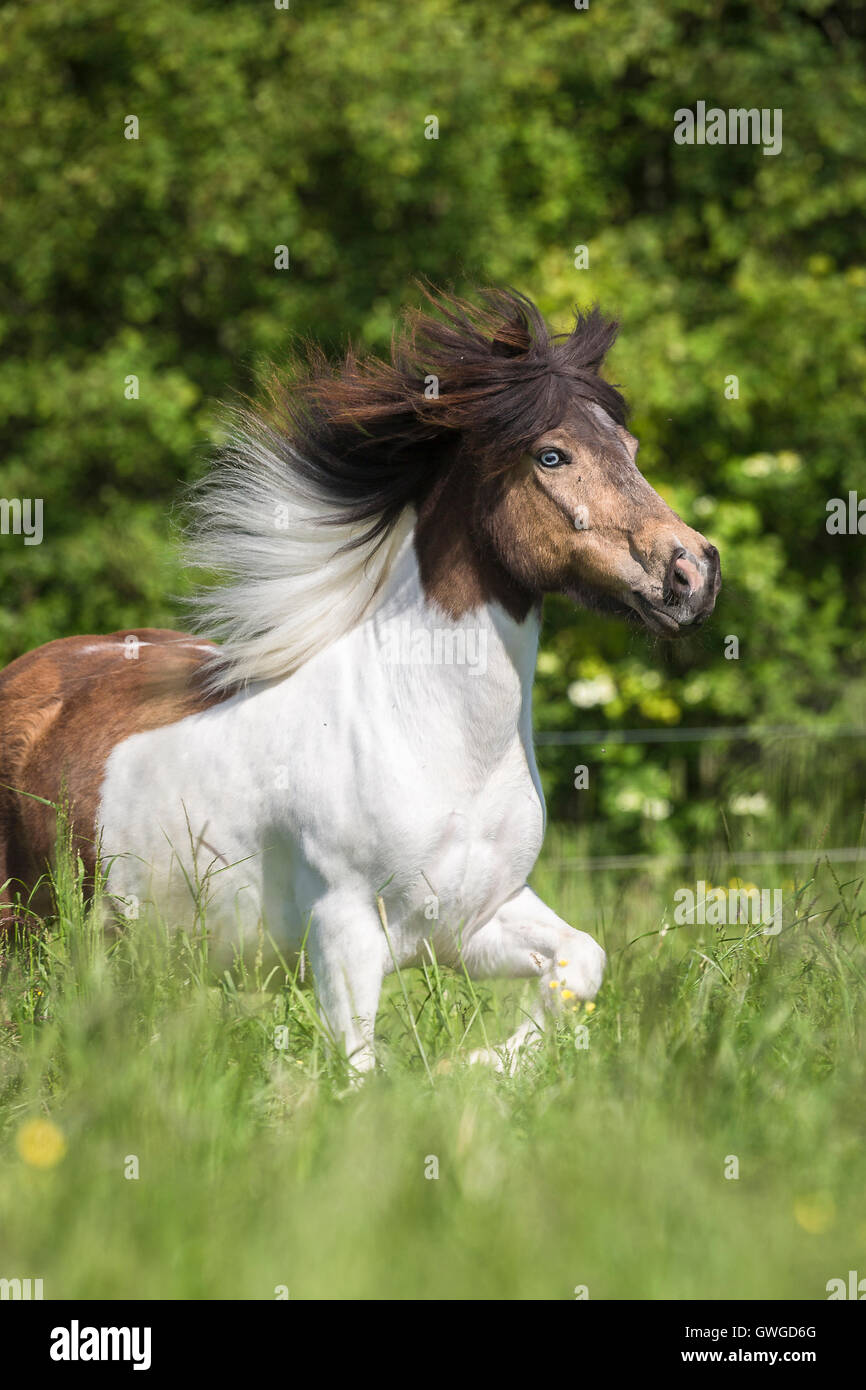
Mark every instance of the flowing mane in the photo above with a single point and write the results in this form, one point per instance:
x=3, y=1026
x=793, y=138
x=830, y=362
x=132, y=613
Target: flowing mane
x=315, y=492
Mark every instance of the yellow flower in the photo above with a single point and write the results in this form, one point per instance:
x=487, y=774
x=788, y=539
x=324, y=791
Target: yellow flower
x=567, y=994
x=589, y=1007
x=815, y=1212
x=554, y=984
x=40, y=1143
x=563, y=963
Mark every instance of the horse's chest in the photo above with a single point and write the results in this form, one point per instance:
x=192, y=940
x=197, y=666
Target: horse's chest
x=481, y=850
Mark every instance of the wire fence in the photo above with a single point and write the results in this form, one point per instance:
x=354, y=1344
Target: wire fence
x=721, y=734
x=750, y=858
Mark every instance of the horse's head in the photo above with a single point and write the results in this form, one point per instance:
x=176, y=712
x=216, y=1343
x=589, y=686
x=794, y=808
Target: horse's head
x=576, y=516
x=545, y=476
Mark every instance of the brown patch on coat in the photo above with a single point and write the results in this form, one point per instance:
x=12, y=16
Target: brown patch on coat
x=63, y=708
x=460, y=570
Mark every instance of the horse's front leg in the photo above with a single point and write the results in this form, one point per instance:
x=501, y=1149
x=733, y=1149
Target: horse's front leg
x=524, y=939
x=348, y=956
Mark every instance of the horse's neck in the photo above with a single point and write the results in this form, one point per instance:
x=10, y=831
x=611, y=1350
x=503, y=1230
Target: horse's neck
x=479, y=667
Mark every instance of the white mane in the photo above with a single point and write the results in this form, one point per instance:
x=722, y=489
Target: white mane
x=287, y=588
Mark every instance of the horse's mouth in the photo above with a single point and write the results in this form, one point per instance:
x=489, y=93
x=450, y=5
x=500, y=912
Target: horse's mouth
x=653, y=614
x=663, y=622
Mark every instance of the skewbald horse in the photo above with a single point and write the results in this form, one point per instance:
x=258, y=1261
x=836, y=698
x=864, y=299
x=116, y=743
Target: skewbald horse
x=304, y=766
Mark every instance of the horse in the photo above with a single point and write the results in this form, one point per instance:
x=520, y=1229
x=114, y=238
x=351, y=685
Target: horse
x=339, y=754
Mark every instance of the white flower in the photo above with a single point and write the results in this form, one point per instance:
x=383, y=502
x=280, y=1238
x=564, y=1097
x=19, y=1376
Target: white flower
x=629, y=800
x=598, y=691
x=759, y=465
x=656, y=808
x=756, y=805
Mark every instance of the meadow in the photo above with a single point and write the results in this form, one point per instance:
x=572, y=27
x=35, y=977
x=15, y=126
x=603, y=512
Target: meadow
x=167, y=1134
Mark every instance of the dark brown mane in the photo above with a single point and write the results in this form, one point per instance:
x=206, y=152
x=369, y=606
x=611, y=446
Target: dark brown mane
x=371, y=436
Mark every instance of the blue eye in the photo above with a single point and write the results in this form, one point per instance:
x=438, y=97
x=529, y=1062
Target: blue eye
x=551, y=458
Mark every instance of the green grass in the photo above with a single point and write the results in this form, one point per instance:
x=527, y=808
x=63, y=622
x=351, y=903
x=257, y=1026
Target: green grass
x=601, y=1166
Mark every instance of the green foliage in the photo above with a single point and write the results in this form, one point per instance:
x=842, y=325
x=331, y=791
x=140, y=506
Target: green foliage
x=305, y=127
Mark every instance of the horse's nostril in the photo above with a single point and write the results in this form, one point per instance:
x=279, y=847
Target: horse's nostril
x=683, y=576
x=680, y=578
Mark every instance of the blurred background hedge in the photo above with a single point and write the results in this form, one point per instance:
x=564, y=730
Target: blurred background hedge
x=305, y=127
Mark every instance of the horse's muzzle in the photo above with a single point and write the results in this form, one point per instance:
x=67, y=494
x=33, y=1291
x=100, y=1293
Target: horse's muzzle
x=689, y=592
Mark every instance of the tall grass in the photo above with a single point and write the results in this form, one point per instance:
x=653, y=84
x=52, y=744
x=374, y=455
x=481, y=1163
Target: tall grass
x=260, y=1167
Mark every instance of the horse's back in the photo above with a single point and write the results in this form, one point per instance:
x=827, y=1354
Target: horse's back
x=63, y=708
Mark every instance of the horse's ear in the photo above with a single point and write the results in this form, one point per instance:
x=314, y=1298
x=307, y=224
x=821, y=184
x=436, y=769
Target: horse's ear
x=591, y=339
x=511, y=340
